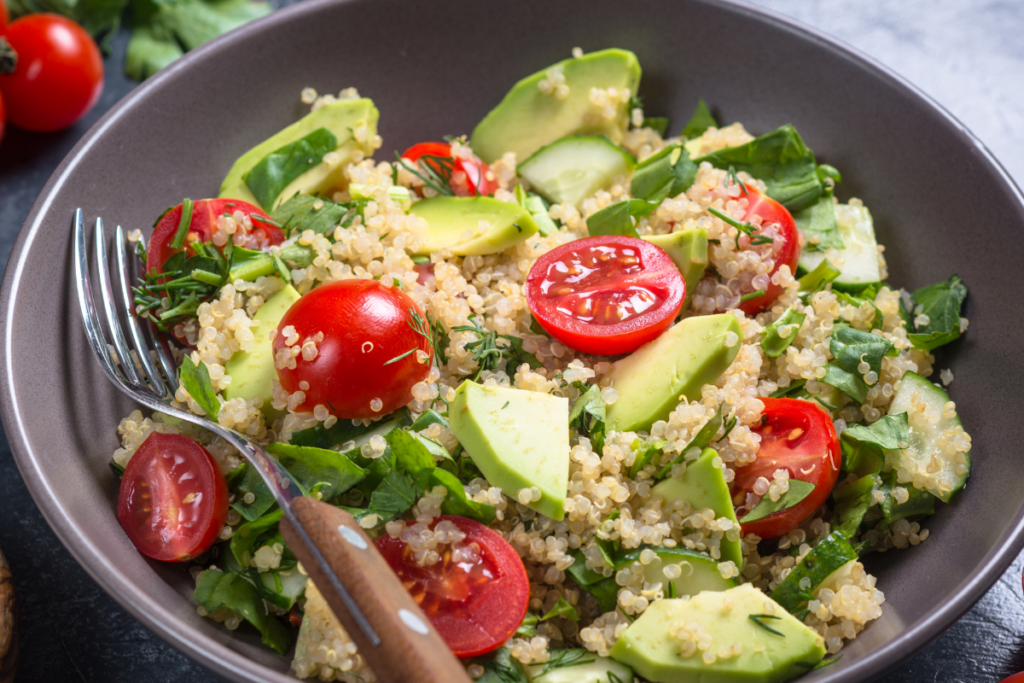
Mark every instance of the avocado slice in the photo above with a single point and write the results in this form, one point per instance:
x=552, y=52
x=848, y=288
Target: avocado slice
x=680, y=362
x=766, y=657
x=703, y=485
x=700, y=573
x=340, y=118
x=688, y=249
x=253, y=372
x=527, y=119
x=449, y=219
x=518, y=439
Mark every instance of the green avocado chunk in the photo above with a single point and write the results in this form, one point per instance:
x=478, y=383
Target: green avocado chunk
x=703, y=485
x=775, y=646
x=455, y=223
x=341, y=118
x=688, y=249
x=698, y=572
x=253, y=372
x=518, y=439
x=680, y=362
x=527, y=118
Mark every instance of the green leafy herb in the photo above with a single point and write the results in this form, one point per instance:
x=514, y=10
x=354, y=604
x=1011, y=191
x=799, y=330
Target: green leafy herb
x=851, y=504
x=816, y=280
x=457, y=502
x=700, y=121
x=250, y=481
x=782, y=161
x=276, y=171
x=890, y=432
x=528, y=629
x=645, y=452
x=659, y=124
x=587, y=416
x=606, y=592
x=429, y=417
x=401, y=356
x=615, y=219
x=580, y=573
x=216, y=589
x=561, y=609
x=757, y=619
x=565, y=658
x=665, y=174
x=818, y=224
x=850, y=383
x=858, y=301
x=850, y=347
x=345, y=430
x=196, y=381
x=700, y=441
x=248, y=537
x=334, y=472
x=302, y=212
x=775, y=342
x=490, y=347
x=941, y=303
x=918, y=504
x=183, y=224
x=395, y=495
x=501, y=667
x=798, y=490
x=411, y=456
x=794, y=389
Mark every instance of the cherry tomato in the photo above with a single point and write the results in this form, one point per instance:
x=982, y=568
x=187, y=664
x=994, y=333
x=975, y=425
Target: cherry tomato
x=364, y=360
x=799, y=437
x=58, y=76
x=3, y=114
x=1015, y=678
x=5, y=18
x=205, y=213
x=778, y=224
x=470, y=177
x=475, y=606
x=174, y=500
x=605, y=295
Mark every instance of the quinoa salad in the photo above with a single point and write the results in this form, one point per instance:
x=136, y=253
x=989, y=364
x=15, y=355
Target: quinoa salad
x=614, y=402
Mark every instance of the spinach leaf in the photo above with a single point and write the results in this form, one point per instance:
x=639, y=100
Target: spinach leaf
x=500, y=667
x=701, y=440
x=457, y=502
x=918, y=504
x=798, y=490
x=644, y=453
x=782, y=161
x=345, y=430
x=700, y=121
x=245, y=541
x=666, y=174
x=890, y=432
x=299, y=213
x=580, y=573
x=411, y=456
x=775, y=343
x=587, y=416
x=851, y=504
x=941, y=303
x=850, y=383
x=196, y=381
x=396, y=494
x=528, y=629
x=216, y=589
x=429, y=417
x=276, y=171
x=561, y=609
x=606, y=592
x=250, y=481
x=849, y=347
x=310, y=466
x=816, y=280
x=615, y=219
x=795, y=389
x=818, y=224
x=860, y=458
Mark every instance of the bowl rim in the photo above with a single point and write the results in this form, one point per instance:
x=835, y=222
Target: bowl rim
x=226, y=661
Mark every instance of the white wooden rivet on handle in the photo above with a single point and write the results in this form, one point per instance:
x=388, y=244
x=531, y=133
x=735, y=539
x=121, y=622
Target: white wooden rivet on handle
x=352, y=536
x=413, y=622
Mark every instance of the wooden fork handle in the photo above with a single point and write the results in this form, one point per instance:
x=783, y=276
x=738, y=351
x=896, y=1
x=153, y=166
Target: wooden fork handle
x=409, y=649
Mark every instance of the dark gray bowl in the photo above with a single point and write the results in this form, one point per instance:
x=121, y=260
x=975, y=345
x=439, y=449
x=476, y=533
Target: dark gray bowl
x=942, y=205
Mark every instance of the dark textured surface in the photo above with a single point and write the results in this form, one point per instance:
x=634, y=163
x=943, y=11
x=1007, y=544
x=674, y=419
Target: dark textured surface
x=73, y=631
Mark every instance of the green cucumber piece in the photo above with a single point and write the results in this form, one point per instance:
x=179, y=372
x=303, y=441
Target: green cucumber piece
x=929, y=438
x=579, y=666
x=816, y=567
x=575, y=167
x=858, y=260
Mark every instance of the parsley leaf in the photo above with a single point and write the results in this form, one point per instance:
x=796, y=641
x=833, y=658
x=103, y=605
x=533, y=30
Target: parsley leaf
x=299, y=213
x=798, y=490
x=196, y=381
x=587, y=416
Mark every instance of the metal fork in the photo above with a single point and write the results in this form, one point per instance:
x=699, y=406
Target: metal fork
x=381, y=617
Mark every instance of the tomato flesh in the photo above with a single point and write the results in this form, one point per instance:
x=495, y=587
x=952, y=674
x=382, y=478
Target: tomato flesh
x=605, y=295
x=59, y=74
x=778, y=224
x=203, y=225
x=366, y=327
x=173, y=501
x=469, y=178
x=800, y=438
x=475, y=605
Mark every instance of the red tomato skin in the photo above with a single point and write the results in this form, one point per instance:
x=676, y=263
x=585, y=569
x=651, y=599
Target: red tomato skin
x=365, y=325
x=618, y=338
x=5, y=17
x=474, y=180
x=781, y=416
x=204, y=219
x=496, y=613
x=1015, y=678
x=148, y=480
x=3, y=111
x=771, y=211
x=59, y=75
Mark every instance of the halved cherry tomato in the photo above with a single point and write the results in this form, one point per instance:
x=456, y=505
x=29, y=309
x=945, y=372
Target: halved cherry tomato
x=778, y=224
x=58, y=74
x=174, y=500
x=470, y=177
x=800, y=438
x=3, y=117
x=205, y=213
x=605, y=295
x=4, y=16
x=366, y=362
x=1015, y=678
x=475, y=606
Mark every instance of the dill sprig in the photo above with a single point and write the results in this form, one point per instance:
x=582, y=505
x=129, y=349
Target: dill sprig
x=434, y=171
x=746, y=228
x=756, y=618
x=174, y=294
x=490, y=347
x=732, y=178
x=752, y=295
x=563, y=658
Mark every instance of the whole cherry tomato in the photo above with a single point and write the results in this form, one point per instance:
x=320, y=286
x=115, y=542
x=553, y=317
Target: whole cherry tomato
x=468, y=177
x=57, y=75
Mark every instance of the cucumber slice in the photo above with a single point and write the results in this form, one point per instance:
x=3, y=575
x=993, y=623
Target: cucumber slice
x=574, y=168
x=934, y=439
x=814, y=570
x=699, y=573
x=858, y=261
x=579, y=666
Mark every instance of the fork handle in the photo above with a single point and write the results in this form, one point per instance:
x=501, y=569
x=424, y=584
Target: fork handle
x=410, y=648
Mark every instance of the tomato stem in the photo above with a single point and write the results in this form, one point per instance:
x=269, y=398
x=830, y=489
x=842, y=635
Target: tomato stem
x=8, y=57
